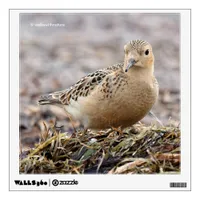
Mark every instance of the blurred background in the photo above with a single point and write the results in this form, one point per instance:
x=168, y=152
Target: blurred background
x=56, y=50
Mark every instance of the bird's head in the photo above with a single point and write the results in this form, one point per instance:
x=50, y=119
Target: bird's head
x=138, y=54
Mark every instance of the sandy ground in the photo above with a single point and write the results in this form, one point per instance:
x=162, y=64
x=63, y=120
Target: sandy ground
x=53, y=58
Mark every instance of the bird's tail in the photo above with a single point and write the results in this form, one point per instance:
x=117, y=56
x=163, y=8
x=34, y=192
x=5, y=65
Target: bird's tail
x=52, y=98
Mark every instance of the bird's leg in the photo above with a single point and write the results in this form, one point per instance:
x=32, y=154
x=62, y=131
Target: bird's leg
x=74, y=134
x=72, y=123
x=117, y=129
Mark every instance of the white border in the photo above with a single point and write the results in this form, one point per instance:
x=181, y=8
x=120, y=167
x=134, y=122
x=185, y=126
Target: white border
x=101, y=182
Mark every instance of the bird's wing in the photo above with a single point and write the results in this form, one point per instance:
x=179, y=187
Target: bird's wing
x=82, y=88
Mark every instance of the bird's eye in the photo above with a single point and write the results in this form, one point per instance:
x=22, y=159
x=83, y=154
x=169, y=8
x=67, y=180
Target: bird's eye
x=147, y=52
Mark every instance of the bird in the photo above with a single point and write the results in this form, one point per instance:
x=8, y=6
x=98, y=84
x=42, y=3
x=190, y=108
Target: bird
x=117, y=96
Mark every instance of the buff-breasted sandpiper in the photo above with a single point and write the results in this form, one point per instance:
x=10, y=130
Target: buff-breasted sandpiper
x=117, y=96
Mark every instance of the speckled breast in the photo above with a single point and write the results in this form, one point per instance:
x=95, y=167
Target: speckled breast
x=125, y=107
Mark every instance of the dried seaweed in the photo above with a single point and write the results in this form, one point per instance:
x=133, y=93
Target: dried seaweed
x=135, y=150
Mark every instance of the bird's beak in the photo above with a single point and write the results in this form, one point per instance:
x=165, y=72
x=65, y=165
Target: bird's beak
x=131, y=62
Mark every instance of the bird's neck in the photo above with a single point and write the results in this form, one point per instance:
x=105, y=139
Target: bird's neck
x=141, y=72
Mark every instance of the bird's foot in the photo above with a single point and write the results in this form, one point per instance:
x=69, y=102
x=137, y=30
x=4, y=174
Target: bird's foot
x=117, y=129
